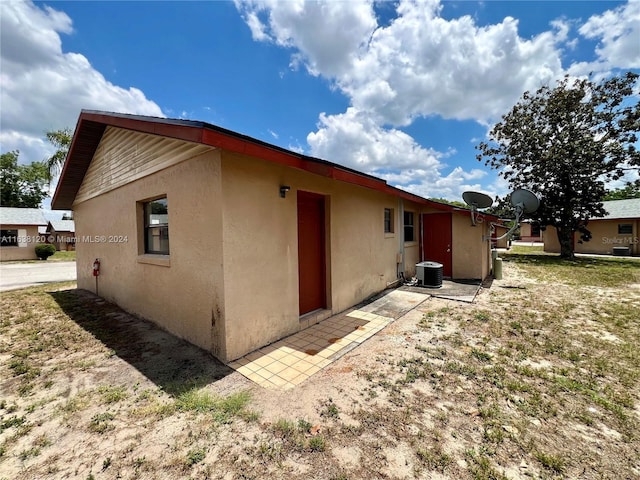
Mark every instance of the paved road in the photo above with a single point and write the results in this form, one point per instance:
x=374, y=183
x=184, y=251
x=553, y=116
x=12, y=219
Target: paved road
x=21, y=275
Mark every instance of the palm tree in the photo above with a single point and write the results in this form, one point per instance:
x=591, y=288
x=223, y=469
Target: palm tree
x=61, y=139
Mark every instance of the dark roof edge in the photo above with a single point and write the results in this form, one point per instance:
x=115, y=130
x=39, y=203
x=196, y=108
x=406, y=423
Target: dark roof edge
x=208, y=134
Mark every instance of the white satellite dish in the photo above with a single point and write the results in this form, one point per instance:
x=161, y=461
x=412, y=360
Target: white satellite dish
x=524, y=200
x=476, y=200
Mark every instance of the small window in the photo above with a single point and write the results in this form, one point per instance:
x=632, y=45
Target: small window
x=625, y=229
x=535, y=229
x=156, y=227
x=388, y=220
x=408, y=227
x=9, y=238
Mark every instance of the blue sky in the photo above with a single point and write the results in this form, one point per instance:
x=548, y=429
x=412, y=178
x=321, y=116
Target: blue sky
x=401, y=90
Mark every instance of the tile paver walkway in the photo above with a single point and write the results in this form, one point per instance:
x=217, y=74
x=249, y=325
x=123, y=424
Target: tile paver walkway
x=290, y=361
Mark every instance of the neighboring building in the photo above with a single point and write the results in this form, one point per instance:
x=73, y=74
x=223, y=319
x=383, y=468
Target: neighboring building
x=530, y=231
x=616, y=233
x=61, y=233
x=233, y=243
x=19, y=233
x=500, y=230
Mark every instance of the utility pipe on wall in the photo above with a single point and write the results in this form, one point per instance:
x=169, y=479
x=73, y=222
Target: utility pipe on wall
x=400, y=223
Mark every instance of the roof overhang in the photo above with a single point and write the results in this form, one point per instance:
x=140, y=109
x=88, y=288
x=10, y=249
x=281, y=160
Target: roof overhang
x=91, y=126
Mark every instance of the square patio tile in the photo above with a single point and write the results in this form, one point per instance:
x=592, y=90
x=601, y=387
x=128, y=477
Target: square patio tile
x=275, y=367
x=289, y=374
x=263, y=361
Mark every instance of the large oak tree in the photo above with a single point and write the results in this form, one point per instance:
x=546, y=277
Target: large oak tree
x=564, y=144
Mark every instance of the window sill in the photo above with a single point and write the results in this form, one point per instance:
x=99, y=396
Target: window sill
x=160, y=260
x=389, y=235
x=413, y=243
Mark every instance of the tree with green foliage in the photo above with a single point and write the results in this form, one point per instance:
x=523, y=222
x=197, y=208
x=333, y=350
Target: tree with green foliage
x=564, y=144
x=61, y=139
x=629, y=191
x=454, y=203
x=22, y=185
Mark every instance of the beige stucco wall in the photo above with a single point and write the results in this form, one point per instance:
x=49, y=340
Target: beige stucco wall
x=470, y=253
x=230, y=283
x=182, y=293
x=28, y=238
x=260, y=248
x=604, y=236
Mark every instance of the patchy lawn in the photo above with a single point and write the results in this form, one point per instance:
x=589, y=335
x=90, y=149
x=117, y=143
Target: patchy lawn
x=539, y=378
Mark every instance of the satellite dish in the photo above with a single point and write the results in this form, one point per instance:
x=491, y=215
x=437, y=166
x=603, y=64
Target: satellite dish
x=524, y=200
x=476, y=200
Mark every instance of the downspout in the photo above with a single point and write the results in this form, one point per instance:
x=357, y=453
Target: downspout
x=421, y=237
x=400, y=258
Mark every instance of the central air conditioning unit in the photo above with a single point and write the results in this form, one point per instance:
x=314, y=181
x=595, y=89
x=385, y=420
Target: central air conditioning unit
x=429, y=274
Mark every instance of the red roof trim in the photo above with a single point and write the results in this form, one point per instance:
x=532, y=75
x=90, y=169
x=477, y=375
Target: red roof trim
x=91, y=126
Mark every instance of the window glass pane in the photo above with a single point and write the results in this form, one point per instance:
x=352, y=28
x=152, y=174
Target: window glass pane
x=157, y=213
x=625, y=229
x=156, y=227
x=408, y=227
x=388, y=220
x=9, y=238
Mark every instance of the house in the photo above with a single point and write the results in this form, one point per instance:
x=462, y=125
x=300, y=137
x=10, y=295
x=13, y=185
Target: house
x=61, y=234
x=616, y=233
x=233, y=243
x=19, y=233
x=499, y=238
x=530, y=231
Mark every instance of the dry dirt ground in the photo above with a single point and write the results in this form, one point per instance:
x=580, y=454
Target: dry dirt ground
x=538, y=378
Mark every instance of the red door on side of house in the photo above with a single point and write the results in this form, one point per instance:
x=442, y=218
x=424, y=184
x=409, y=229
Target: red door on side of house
x=311, y=252
x=436, y=240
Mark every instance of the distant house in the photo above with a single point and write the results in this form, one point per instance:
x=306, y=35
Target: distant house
x=617, y=233
x=61, y=233
x=530, y=231
x=19, y=233
x=233, y=243
x=499, y=230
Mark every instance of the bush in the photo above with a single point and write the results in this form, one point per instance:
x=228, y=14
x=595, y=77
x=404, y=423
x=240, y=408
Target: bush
x=45, y=250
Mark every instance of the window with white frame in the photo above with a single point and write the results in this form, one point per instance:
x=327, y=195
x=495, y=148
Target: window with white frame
x=156, y=226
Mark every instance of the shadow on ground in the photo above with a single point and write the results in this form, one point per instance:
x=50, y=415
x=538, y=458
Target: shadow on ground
x=171, y=363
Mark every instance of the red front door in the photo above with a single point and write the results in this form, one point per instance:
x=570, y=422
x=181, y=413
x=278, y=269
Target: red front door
x=311, y=252
x=436, y=240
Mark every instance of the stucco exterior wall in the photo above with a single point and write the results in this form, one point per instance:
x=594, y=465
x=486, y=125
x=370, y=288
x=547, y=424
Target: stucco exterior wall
x=470, y=254
x=28, y=238
x=230, y=282
x=605, y=236
x=182, y=292
x=260, y=248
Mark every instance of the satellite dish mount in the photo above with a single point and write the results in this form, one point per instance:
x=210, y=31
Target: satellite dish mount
x=476, y=200
x=524, y=201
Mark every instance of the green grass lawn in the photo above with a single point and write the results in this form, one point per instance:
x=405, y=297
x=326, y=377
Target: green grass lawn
x=538, y=378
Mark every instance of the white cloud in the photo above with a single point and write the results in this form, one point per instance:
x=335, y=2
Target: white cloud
x=356, y=140
x=327, y=35
x=420, y=64
x=44, y=88
x=619, y=33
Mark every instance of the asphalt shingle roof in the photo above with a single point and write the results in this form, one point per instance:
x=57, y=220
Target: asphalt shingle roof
x=622, y=208
x=21, y=216
x=63, y=225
